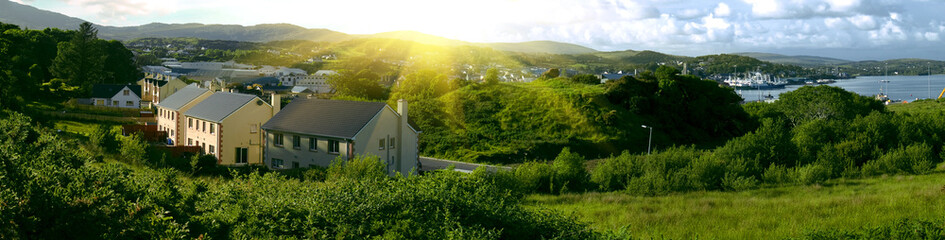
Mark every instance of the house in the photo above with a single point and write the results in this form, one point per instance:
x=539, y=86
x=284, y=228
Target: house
x=116, y=95
x=313, y=132
x=155, y=90
x=226, y=125
x=317, y=83
x=170, y=111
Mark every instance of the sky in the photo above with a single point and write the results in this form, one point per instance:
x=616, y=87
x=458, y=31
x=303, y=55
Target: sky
x=846, y=29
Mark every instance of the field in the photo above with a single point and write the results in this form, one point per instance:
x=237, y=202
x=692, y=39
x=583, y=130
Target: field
x=771, y=213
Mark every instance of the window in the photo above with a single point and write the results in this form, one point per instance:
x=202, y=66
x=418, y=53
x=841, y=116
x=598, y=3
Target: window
x=211, y=149
x=242, y=154
x=332, y=146
x=277, y=163
x=312, y=144
x=172, y=132
x=252, y=128
x=203, y=148
x=126, y=92
x=190, y=141
x=100, y=102
x=190, y=123
x=211, y=128
x=380, y=144
x=392, y=140
x=295, y=164
x=277, y=139
x=296, y=142
x=204, y=128
x=114, y=103
x=129, y=103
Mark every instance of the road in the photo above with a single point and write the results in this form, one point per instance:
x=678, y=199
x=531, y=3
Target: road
x=430, y=164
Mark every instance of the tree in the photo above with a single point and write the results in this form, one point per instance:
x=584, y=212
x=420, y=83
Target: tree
x=551, y=73
x=133, y=148
x=492, y=76
x=586, y=79
x=80, y=60
x=363, y=84
x=119, y=64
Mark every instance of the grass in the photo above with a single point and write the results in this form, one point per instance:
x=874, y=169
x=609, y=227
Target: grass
x=918, y=107
x=782, y=212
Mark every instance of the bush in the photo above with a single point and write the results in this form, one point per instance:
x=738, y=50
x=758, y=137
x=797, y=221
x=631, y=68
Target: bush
x=902, y=229
x=778, y=175
x=812, y=173
x=360, y=168
x=914, y=159
x=535, y=177
x=570, y=173
x=614, y=173
x=133, y=149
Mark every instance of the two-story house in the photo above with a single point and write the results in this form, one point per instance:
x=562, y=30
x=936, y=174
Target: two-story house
x=169, y=113
x=226, y=125
x=314, y=132
x=116, y=95
x=156, y=90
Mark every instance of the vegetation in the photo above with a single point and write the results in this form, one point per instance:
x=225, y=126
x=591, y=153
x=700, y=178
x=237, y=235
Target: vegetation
x=871, y=208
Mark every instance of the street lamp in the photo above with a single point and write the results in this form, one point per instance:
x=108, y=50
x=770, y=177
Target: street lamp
x=650, y=142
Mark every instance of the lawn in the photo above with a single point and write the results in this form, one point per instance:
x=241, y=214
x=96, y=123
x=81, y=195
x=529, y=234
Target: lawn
x=782, y=212
x=921, y=106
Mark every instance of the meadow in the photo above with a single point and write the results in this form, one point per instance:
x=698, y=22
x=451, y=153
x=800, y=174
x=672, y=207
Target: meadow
x=768, y=213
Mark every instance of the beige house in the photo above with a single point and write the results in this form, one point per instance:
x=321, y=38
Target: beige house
x=155, y=91
x=116, y=95
x=169, y=112
x=314, y=132
x=226, y=125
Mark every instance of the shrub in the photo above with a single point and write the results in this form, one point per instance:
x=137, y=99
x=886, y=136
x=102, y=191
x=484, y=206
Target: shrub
x=901, y=229
x=570, y=173
x=777, y=174
x=133, y=149
x=734, y=182
x=614, y=173
x=359, y=167
x=812, y=173
x=535, y=177
x=914, y=159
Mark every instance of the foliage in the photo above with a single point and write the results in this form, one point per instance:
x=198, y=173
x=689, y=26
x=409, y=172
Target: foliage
x=901, y=229
x=824, y=102
x=133, y=148
x=49, y=189
x=551, y=73
x=586, y=79
x=366, y=168
x=362, y=84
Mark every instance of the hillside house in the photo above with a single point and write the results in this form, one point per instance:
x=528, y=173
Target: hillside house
x=314, y=132
x=170, y=111
x=226, y=125
x=116, y=95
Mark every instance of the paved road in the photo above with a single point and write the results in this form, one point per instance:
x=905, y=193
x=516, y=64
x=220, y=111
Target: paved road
x=430, y=164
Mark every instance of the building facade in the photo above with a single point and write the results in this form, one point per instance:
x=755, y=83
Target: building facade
x=169, y=113
x=227, y=126
x=315, y=132
x=116, y=95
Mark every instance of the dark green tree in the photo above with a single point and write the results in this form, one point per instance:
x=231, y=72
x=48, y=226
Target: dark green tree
x=492, y=76
x=119, y=64
x=363, y=84
x=586, y=79
x=81, y=60
x=551, y=73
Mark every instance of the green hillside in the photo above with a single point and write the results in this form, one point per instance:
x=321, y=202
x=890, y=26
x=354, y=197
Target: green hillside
x=541, y=47
x=806, y=61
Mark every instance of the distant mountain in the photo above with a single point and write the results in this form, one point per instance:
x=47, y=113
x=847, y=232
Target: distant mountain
x=541, y=47
x=34, y=18
x=257, y=33
x=640, y=57
x=806, y=61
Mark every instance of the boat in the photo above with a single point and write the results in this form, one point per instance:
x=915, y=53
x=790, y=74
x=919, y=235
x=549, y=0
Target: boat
x=755, y=81
x=825, y=81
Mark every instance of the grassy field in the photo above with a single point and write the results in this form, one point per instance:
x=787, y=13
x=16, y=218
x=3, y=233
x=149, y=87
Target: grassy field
x=921, y=106
x=764, y=213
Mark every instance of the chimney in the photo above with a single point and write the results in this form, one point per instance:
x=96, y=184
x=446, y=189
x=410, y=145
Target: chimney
x=276, y=101
x=402, y=110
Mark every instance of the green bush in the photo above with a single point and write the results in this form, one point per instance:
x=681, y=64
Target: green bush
x=779, y=175
x=812, y=173
x=535, y=177
x=614, y=173
x=914, y=159
x=570, y=173
x=360, y=167
x=902, y=229
x=133, y=149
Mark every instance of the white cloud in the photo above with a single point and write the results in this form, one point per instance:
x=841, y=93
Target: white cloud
x=722, y=10
x=863, y=22
x=119, y=10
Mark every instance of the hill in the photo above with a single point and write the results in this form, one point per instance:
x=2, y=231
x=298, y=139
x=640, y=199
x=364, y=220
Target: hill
x=34, y=18
x=541, y=47
x=257, y=33
x=805, y=61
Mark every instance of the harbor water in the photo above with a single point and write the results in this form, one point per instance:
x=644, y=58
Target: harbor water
x=907, y=88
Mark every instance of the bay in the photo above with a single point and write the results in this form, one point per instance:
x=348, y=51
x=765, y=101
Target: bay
x=907, y=88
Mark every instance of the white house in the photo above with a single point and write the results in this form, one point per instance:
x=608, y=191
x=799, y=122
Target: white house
x=116, y=95
x=317, y=82
x=314, y=132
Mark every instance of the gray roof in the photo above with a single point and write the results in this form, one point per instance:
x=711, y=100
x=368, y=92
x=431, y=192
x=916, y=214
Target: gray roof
x=182, y=97
x=321, y=117
x=220, y=105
